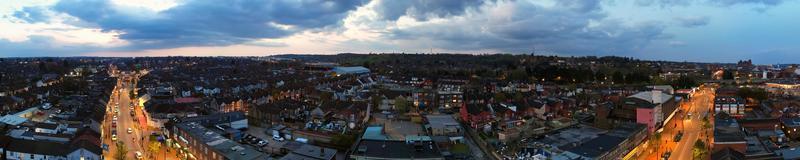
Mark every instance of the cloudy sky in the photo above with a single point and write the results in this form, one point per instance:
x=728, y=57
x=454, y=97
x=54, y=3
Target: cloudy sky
x=766, y=31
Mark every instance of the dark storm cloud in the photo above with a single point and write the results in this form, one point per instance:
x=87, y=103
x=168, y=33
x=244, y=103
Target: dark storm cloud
x=691, y=22
x=422, y=9
x=571, y=27
x=209, y=23
x=31, y=14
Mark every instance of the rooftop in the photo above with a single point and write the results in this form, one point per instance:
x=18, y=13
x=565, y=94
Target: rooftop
x=310, y=152
x=655, y=97
x=226, y=147
x=726, y=129
x=397, y=149
x=442, y=121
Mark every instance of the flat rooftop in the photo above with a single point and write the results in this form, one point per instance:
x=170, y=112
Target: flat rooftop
x=226, y=147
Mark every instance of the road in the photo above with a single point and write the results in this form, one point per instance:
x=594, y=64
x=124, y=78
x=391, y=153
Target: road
x=691, y=126
x=133, y=140
x=694, y=125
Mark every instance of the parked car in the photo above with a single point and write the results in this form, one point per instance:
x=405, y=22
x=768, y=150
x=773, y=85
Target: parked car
x=666, y=155
x=277, y=138
x=678, y=136
x=130, y=130
x=138, y=155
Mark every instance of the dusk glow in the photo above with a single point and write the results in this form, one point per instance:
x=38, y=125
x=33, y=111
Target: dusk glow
x=680, y=30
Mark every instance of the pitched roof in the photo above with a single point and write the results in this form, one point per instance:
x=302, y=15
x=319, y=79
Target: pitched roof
x=652, y=97
x=727, y=154
x=38, y=147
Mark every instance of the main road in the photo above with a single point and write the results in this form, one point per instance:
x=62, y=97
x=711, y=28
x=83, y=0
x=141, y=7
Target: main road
x=689, y=121
x=120, y=105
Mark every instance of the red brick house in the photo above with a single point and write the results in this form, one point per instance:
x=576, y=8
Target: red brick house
x=475, y=115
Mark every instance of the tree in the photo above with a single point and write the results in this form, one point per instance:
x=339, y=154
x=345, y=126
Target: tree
x=518, y=74
x=684, y=82
x=706, y=123
x=154, y=147
x=656, y=139
x=376, y=100
x=617, y=77
x=727, y=74
x=518, y=96
x=122, y=151
x=500, y=97
x=343, y=141
x=401, y=104
x=699, y=150
x=600, y=76
x=753, y=93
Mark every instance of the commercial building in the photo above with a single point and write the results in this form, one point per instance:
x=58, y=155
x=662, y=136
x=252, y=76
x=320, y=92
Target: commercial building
x=349, y=70
x=728, y=134
x=653, y=108
x=592, y=143
x=732, y=105
x=444, y=125
x=198, y=142
x=375, y=145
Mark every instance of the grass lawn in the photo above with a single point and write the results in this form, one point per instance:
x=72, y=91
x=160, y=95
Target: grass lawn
x=460, y=148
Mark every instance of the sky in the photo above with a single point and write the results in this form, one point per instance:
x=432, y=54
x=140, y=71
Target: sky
x=765, y=31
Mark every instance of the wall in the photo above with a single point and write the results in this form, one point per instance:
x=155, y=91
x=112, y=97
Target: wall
x=645, y=116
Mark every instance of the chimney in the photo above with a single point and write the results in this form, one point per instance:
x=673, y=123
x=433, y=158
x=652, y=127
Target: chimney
x=656, y=96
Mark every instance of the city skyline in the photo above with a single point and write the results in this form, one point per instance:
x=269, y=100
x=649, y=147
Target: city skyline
x=697, y=31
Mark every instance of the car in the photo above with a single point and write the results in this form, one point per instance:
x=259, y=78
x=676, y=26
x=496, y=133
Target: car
x=666, y=155
x=277, y=138
x=114, y=124
x=678, y=136
x=115, y=118
x=262, y=143
x=130, y=130
x=133, y=113
x=113, y=137
x=138, y=155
